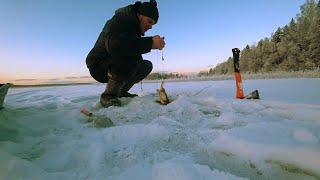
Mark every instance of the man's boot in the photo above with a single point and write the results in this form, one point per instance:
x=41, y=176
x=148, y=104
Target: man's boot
x=110, y=96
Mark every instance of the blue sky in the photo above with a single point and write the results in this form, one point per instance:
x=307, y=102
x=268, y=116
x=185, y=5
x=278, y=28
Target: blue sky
x=50, y=39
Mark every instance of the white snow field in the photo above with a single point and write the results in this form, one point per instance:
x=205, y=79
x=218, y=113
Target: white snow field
x=203, y=134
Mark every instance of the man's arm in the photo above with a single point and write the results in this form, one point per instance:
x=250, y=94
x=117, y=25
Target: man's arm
x=123, y=41
x=124, y=45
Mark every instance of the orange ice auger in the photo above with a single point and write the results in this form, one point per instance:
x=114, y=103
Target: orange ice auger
x=237, y=75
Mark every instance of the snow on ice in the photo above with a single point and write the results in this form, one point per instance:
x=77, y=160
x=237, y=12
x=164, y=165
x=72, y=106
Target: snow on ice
x=204, y=133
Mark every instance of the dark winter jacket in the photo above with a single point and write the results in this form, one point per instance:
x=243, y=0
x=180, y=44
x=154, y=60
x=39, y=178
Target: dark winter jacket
x=120, y=43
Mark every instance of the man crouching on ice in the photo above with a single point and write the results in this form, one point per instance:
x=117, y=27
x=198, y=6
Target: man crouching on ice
x=116, y=57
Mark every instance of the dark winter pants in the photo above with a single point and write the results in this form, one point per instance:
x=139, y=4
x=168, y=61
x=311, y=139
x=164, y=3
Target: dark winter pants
x=121, y=79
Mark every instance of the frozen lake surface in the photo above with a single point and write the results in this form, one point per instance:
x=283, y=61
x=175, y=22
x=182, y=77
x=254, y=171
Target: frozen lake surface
x=204, y=134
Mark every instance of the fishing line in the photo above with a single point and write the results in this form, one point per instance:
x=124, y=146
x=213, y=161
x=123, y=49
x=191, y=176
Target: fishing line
x=160, y=70
x=162, y=66
x=197, y=93
x=141, y=87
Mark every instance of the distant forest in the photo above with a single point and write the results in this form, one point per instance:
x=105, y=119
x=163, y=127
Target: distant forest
x=155, y=76
x=294, y=47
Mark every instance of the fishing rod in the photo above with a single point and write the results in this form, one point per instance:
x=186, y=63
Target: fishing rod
x=237, y=75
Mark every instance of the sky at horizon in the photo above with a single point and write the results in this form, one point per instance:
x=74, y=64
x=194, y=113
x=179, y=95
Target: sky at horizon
x=46, y=39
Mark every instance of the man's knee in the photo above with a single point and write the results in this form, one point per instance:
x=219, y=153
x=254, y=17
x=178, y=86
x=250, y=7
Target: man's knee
x=147, y=66
x=143, y=70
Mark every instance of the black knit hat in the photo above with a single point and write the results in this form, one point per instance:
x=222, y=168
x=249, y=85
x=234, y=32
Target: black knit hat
x=149, y=9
